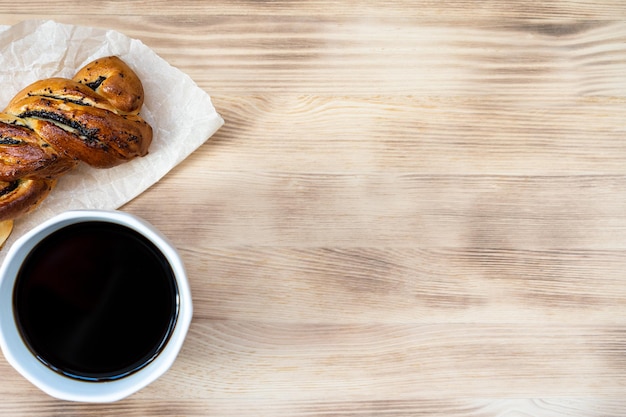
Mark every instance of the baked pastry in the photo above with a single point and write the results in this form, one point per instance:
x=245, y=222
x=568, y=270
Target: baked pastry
x=54, y=124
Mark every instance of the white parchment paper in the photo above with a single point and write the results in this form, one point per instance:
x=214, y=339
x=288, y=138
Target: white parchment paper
x=180, y=113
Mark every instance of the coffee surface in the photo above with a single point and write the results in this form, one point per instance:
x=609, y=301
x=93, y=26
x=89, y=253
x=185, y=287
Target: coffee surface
x=95, y=301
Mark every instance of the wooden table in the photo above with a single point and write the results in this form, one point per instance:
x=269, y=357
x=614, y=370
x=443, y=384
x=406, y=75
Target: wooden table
x=414, y=208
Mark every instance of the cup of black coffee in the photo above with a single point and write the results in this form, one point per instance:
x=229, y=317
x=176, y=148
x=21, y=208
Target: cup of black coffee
x=94, y=305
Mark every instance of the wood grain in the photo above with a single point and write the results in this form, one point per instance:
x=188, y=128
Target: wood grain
x=403, y=210
x=455, y=9
x=425, y=135
x=555, y=407
x=413, y=209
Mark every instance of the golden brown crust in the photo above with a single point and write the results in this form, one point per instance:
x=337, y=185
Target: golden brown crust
x=25, y=155
x=94, y=135
x=52, y=125
x=22, y=196
x=64, y=89
x=115, y=81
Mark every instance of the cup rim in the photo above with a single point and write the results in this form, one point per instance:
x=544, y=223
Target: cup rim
x=63, y=387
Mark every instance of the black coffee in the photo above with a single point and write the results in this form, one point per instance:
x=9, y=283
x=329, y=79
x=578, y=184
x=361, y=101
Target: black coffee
x=95, y=301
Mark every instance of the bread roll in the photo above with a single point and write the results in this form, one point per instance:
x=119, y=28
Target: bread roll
x=54, y=124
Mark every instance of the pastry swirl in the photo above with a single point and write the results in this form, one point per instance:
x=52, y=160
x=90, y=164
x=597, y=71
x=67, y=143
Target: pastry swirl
x=54, y=124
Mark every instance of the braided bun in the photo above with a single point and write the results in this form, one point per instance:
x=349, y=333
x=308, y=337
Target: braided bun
x=54, y=124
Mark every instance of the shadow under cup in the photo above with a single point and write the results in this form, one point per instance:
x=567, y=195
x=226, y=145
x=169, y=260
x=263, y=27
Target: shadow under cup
x=94, y=305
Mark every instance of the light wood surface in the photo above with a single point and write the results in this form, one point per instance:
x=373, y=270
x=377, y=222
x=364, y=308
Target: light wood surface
x=414, y=208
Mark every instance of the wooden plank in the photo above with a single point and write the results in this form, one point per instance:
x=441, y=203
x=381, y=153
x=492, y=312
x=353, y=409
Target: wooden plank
x=413, y=134
x=425, y=407
x=456, y=9
x=376, y=285
x=370, y=362
x=233, y=208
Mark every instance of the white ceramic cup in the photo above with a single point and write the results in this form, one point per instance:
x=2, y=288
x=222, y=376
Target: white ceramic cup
x=53, y=383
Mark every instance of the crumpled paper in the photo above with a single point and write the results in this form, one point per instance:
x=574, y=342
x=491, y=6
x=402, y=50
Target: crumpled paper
x=181, y=114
